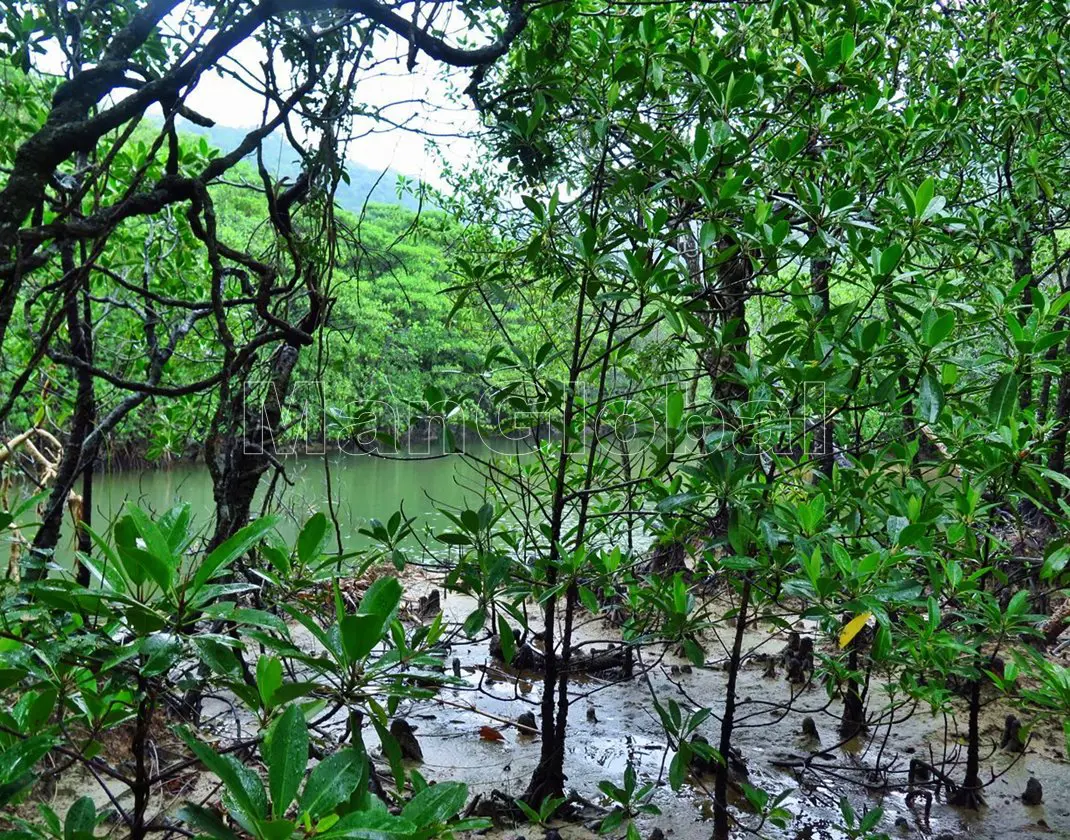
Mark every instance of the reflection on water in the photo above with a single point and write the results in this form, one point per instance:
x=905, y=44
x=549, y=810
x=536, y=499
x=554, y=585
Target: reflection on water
x=362, y=488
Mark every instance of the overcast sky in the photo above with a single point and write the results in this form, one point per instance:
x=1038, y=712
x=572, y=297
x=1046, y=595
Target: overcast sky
x=423, y=105
x=421, y=97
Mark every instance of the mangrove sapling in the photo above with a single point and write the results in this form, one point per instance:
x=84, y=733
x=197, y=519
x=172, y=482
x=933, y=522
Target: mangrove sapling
x=985, y=622
x=628, y=801
x=335, y=797
x=853, y=719
x=127, y=648
x=114, y=670
x=551, y=498
x=81, y=821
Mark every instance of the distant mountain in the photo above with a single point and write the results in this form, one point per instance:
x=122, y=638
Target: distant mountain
x=281, y=160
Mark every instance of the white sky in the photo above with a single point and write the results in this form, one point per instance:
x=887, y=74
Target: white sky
x=424, y=106
x=423, y=94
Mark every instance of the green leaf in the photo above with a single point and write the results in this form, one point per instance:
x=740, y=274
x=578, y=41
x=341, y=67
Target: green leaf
x=890, y=257
x=1004, y=397
x=138, y=563
x=81, y=820
x=382, y=598
x=436, y=804
x=243, y=786
x=847, y=46
x=162, y=651
x=360, y=634
x=528, y=811
x=841, y=199
x=674, y=409
x=694, y=653
x=175, y=525
x=268, y=678
x=233, y=548
x=731, y=186
x=392, y=750
x=1050, y=340
x=370, y=825
x=286, y=759
x=217, y=656
x=310, y=540
x=870, y=334
x=940, y=329
x=930, y=397
x=20, y=758
x=51, y=819
x=923, y=196
x=882, y=643
x=205, y=822
x=678, y=768
x=333, y=781
x=1018, y=604
x=275, y=830
x=677, y=501
x=612, y=822
x=1057, y=477
x=534, y=206
x=38, y=709
x=451, y=538
x=505, y=636
x=163, y=570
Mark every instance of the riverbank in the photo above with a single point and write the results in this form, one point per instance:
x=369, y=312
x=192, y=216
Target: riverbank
x=422, y=440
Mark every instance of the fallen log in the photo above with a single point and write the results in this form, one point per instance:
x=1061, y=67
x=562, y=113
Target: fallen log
x=527, y=658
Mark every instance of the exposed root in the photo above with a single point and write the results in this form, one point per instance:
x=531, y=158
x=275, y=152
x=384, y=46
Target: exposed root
x=1055, y=625
x=967, y=797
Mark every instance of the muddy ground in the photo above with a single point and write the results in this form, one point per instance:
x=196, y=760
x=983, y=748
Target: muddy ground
x=625, y=728
x=613, y=722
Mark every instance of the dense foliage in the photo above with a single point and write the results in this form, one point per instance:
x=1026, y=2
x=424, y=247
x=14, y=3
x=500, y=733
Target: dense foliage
x=769, y=302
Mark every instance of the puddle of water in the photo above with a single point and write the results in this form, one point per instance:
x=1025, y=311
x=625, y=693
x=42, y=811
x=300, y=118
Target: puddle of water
x=627, y=729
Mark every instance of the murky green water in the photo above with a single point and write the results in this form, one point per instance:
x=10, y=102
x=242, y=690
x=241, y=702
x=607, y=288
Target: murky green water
x=362, y=488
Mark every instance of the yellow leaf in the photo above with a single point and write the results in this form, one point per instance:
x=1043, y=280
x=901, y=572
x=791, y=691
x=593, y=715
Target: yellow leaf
x=852, y=629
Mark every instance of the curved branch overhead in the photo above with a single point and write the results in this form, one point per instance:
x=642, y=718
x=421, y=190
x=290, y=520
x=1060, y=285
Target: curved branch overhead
x=77, y=121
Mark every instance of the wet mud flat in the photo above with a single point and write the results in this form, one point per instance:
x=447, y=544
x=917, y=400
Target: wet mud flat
x=613, y=722
x=467, y=732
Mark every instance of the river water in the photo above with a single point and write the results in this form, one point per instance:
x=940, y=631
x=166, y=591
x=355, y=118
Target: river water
x=363, y=487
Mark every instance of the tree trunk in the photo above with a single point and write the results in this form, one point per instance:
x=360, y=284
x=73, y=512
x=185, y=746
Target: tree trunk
x=139, y=747
x=1023, y=267
x=239, y=447
x=819, y=282
x=1057, y=459
x=72, y=462
x=969, y=795
x=84, y=542
x=721, y=822
x=728, y=302
x=548, y=779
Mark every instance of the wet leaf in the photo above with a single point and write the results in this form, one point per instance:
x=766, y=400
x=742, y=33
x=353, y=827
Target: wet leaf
x=853, y=628
x=489, y=733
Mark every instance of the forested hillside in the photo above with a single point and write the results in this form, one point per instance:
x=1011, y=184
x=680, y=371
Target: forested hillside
x=360, y=186
x=389, y=335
